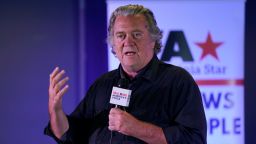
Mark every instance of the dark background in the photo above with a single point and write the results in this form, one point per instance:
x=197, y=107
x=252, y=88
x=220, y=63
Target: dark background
x=250, y=72
x=37, y=35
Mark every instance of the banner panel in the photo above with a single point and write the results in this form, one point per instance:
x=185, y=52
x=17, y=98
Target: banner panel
x=207, y=39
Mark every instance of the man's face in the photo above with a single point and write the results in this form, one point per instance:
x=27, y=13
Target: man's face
x=132, y=42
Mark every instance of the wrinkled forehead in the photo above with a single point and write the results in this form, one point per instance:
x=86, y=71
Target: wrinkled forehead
x=131, y=21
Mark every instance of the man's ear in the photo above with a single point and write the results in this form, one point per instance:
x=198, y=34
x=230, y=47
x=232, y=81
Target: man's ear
x=113, y=51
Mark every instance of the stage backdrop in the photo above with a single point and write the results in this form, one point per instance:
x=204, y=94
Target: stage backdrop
x=207, y=39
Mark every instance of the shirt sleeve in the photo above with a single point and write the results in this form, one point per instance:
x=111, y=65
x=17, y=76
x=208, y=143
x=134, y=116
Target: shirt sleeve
x=48, y=131
x=78, y=132
x=189, y=126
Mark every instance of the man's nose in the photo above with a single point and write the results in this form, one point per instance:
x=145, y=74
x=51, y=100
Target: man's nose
x=129, y=40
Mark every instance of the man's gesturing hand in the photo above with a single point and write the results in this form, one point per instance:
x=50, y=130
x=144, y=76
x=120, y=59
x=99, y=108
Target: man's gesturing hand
x=57, y=88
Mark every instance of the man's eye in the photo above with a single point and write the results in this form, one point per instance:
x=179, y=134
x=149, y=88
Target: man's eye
x=137, y=35
x=120, y=36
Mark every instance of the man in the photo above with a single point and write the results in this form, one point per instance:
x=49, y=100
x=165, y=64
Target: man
x=165, y=105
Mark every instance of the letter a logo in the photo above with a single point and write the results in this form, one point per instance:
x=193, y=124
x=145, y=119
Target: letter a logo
x=176, y=37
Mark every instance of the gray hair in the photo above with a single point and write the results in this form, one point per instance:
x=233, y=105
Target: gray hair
x=155, y=32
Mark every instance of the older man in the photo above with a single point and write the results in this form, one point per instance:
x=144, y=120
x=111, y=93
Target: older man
x=165, y=105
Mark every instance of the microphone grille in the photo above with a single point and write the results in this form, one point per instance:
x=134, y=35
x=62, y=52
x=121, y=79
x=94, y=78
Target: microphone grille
x=123, y=83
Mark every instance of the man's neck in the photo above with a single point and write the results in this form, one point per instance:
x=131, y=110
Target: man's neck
x=132, y=72
x=131, y=75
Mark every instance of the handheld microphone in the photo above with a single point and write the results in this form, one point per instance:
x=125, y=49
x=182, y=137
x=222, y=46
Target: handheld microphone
x=120, y=96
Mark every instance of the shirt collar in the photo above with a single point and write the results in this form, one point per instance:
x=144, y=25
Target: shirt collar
x=148, y=72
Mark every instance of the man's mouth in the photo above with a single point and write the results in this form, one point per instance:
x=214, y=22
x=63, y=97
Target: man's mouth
x=130, y=53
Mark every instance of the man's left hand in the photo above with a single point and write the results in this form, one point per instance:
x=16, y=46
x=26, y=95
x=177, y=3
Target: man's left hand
x=122, y=121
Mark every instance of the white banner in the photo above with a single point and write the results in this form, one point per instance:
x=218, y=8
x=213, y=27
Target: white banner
x=207, y=39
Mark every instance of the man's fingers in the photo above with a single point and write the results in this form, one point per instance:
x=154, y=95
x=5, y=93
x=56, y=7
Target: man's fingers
x=54, y=72
x=114, y=126
x=115, y=114
x=111, y=128
x=115, y=119
x=115, y=111
x=57, y=78
x=62, y=91
x=57, y=86
x=60, y=84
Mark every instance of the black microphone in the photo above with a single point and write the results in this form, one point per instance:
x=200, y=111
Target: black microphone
x=123, y=83
x=120, y=96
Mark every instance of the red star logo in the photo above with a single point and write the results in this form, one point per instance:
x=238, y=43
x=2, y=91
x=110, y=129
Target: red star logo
x=209, y=47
